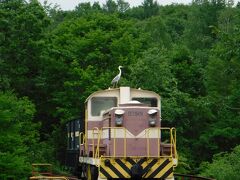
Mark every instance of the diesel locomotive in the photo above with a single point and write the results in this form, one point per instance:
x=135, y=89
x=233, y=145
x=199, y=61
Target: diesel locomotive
x=121, y=137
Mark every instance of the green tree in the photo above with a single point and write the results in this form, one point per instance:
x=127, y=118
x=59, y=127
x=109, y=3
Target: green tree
x=188, y=71
x=156, y=29
x=222, y=83
x=175, y=19
x=86, y=8
x=122, y=6
x=82, y=54
x=18, y=136
x=22, y=27
x=202, y=15
x=111, y=6
x=150, y=8
x=136, y=12
x=153, y=71
x=224, y=166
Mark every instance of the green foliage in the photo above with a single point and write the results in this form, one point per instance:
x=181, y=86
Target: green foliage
x=86, y=8
x=189, y=54
x=150, y=8
x=158, y=37
x=21, y=43
x=123, y=6
x=155, y=65
x=110, y=6
x=83, y=52
x=222, y=82
x=18, y=135
x=175, y=19
x=188, y=70
x=183, y=164
x=202, y=16
x=224, y=166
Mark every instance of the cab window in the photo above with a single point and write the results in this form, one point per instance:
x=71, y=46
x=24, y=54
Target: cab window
x=152, y=102
x=99, y=104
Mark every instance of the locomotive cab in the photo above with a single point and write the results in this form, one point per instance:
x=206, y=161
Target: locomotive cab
x=124, y=138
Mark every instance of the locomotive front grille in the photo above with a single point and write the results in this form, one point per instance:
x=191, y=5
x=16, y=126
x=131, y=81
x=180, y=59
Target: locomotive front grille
x=135, y=167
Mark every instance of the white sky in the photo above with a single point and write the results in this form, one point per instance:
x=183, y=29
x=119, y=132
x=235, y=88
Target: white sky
x=70, y=4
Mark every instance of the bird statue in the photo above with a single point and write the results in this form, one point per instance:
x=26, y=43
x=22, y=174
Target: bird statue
x=117, y=77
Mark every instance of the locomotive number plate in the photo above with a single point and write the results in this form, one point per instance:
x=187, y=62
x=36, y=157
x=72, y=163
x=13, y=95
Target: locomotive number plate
x=135, y=113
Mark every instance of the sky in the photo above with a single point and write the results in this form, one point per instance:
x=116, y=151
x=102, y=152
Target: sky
x=70, y=4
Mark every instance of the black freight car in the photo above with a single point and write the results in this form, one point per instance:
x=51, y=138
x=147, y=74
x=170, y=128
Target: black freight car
x=73, y=127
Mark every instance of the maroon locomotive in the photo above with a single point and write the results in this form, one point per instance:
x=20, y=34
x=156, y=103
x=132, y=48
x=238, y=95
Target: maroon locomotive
x=123, y=137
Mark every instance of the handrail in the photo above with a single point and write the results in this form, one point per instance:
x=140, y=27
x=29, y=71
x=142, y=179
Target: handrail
x=82, y=138
x=172, y=141
x=172, y=136
x=98, y=144
x=93, y=140
x=41, y=164
x=148, y=143
x=46, y=171
x=114, y=140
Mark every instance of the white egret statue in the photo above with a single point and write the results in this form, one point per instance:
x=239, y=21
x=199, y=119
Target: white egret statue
x=117, y=78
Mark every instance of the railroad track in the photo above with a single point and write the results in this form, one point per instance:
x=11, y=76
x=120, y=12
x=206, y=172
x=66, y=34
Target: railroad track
x=178, y=176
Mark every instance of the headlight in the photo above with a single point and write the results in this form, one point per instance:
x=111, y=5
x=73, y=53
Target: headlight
x=119, y=117
x=152, y=122
x=152, y=119
x=118, y=121
x=152, y=112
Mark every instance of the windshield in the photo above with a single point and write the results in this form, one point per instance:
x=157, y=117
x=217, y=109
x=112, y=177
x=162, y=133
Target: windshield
x=152, y=102
x=99, y=104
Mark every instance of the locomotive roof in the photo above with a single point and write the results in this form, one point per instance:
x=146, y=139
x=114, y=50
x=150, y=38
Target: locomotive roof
x=118, y=89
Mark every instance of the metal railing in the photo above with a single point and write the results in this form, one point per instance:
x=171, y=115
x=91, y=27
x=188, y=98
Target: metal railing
x=178, y=176
x=172, y=140
x=82, y=140
x=42, y=169
x=114, y=140
x=147, y=132
x=93, y=141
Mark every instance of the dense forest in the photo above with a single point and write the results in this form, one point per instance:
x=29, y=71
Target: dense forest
x=51, y=60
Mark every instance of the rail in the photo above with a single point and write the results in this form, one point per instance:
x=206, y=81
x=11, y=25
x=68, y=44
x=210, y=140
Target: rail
x=178, y=176
x=41, y=168
x=52, y=177
x=39, y=174
x=114, y=140
x=172, y=140
x=148, y=142
x=82, y=141
x=49, y=177
x=93, y=141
